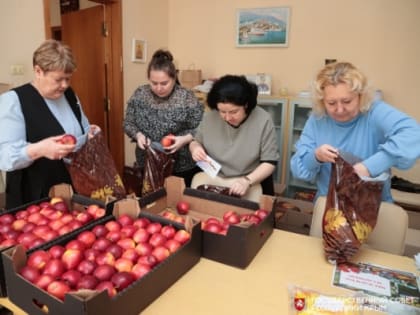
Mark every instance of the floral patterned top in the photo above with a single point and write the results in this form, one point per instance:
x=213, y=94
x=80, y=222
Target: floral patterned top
x=179, y=113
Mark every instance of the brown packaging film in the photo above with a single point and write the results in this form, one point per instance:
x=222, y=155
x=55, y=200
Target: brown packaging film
x=93, y=172
x=157, y=166
x=351, y=210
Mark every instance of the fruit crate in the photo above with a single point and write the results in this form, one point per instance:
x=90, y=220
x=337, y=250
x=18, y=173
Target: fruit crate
x=132, y=300
x=62, y=193
x=240, y=243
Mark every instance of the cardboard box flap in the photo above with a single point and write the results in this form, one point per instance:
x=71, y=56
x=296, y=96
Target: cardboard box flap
x=174, y=187
x=128, y=206
x=64, y=191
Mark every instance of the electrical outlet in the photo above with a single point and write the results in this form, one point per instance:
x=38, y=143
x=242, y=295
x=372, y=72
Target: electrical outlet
x=16, y=69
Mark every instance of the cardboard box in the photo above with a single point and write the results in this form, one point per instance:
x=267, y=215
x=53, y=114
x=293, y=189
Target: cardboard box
x=73, y=201
x=130, y=301
x=241, y=243
x=293, y=215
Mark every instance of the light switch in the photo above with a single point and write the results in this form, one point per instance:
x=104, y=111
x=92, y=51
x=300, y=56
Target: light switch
x=16, y=69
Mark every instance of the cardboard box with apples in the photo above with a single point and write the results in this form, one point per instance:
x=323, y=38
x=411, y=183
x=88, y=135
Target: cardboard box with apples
x=38, y=222
x=133, y=259
x=232, y=232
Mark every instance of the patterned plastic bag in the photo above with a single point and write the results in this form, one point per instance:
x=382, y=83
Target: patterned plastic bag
x=157, y=166
x=93, y=172
x=351, y=209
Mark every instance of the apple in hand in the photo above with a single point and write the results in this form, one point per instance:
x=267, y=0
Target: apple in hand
x=167, y=140
x=68, y=139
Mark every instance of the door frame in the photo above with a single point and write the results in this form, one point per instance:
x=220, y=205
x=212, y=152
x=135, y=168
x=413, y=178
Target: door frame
x=114, y=82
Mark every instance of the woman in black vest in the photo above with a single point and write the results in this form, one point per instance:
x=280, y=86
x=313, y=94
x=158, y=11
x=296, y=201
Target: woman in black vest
x=34, y=117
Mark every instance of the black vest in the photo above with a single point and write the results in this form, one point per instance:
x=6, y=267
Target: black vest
x=34, y=182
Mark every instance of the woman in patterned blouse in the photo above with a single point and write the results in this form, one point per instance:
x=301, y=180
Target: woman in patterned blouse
x=163, y=107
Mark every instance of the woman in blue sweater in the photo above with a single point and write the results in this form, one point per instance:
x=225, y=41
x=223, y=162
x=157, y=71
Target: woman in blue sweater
x=347, y=118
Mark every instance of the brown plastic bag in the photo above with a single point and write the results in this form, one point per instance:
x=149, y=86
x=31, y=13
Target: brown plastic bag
x=157, y=166
x=351, y=210
x=133, y=179
x=93, y=172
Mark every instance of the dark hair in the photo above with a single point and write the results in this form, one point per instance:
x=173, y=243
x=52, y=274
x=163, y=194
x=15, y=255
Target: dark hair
x=162, y=60
x=233, y=89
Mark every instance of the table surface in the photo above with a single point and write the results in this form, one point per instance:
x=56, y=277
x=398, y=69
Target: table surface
x=262, y=288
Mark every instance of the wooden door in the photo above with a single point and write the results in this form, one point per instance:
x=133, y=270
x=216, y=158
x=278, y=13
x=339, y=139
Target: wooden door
x=83, y=31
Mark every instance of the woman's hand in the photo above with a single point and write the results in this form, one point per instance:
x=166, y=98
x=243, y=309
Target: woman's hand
x=326, y=153
x=361, y=170
x=239, y=187
x=142, y=141
x=197, y=151
x=50, y=148
x=179, y=143
x=93, y=130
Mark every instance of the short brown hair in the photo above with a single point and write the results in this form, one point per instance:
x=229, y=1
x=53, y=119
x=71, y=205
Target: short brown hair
x=53, y=55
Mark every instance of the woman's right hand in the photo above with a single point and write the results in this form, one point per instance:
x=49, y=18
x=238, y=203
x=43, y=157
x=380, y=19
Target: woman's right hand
x=50, y=148
x=326, y=153
x=197, y=151
x=142, y=141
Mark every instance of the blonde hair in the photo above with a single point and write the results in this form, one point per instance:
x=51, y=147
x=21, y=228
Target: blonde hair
x=52, y=55
x=341, y=72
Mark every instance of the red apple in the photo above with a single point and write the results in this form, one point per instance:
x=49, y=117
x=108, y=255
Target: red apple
x=56, y=251
x=19, y=224
x=86, y=267
x=141, y=222
x=66, y=218
x=104, y=272
x=50, y=235
x=84, y=217
x=54, y=267
x=126, y=243
x=139, y=270
x=168, y=231
x=60, y=205
x=105, y=259
x=113, y=226
x=30, y=273
x=161, y=253
x=76, y=244
x=168, y=140
x=261, y=213
x=68, y=139
x=58, y=289
x=108, y=286
x=72, y=257
x=35, y=208
x=213, y=228
x=87, y=238
x=125, y=220
x=172, y=245
x=115, y=249
x=143, y=249
x=123, y=264
x=182, y=207
x=128, y=231
x=7, y=218
x=130, y=254
x=91, y=254
x=182, y=236
x=101, y=244
x=157, y=239
x=141, y=236
x=114, y=236
x=100, y=230
x=71, y=277
x=122, y=279
x=87, y=282
x=38, y=259
x=154, y=227
x=254, y=219
x=233, y=218
x=148, y=260
x=44, y=280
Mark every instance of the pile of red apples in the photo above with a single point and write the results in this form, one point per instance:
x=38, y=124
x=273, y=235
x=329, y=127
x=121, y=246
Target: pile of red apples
x=110, y=256
x=42, y=222
x=214, y=225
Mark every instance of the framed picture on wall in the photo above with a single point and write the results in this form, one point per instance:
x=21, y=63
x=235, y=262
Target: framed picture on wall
x=263, y=27
x=139, y=50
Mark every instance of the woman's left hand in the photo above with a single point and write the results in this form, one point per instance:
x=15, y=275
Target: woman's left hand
x=361, y=170
x=239, y=187
x=93, y=130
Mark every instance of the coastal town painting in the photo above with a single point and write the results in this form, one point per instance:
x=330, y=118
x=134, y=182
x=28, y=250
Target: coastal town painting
x=263, y=27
